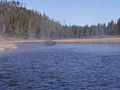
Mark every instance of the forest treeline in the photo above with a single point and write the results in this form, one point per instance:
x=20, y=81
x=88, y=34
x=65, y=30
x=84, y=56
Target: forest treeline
x=17, y=21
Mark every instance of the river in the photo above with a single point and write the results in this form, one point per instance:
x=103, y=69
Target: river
x=35, y=66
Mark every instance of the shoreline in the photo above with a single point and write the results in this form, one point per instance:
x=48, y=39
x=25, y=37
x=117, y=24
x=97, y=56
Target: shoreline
x=91, y=40
x=85, y=40
x=6, y=45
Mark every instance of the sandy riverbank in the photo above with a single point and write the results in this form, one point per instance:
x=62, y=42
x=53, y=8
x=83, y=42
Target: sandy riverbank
x=6, y=45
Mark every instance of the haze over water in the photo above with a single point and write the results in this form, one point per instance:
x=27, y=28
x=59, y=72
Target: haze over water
x=61, y=67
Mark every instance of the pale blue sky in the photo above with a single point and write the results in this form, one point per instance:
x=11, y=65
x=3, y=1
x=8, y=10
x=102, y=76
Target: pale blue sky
x=79, y=12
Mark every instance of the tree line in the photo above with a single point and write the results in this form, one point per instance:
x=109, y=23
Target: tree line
x=19, y=22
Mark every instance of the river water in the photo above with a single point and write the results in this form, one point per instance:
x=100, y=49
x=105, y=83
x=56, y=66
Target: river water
x=61, y=67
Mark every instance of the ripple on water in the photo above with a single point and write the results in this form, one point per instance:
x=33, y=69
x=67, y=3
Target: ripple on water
x=61, y=67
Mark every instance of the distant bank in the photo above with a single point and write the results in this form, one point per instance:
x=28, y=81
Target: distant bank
x=82, y=40
x=11, y=44
x=98, y=40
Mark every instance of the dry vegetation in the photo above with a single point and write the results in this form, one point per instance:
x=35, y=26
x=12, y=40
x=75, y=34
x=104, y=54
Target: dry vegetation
x=100, y=40
x=9, y=45
x=86, y=40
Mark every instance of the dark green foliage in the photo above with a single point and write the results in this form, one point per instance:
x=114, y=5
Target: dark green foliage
x=17, y=21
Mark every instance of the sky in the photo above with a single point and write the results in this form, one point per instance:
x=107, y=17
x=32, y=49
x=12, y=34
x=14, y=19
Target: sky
x=77, y=12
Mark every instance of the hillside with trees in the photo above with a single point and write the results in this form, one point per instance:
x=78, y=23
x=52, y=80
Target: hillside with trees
x=19, y=22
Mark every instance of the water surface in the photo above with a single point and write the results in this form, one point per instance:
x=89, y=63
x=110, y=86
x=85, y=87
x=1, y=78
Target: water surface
x=62, y=67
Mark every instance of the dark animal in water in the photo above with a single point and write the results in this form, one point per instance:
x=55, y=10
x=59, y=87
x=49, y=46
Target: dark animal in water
x=50, y=42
